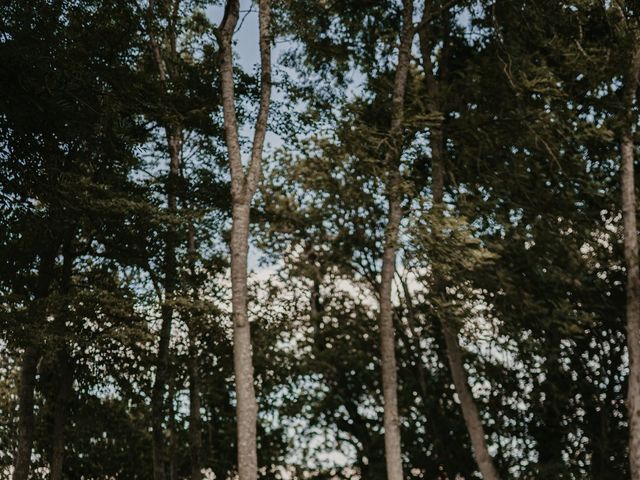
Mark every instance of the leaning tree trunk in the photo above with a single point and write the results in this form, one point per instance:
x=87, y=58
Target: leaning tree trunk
x=470, y=413
x=29, y=371
x=473, y=421
x=472, y=418
x=627, y=148
x=243, y=187
x=392, y=438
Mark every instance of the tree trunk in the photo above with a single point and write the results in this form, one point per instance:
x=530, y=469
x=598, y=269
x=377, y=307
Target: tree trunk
x=247, y=408
x=195, y=435
x=392, y=441
x=243, y=187
x=173, y=134
x=195, y=427
x=63, y=363
x=65, y=388
x=627, y=148
x=29, y=371
x=26, y=420
x=173, y=445
x=470, y=413
x=473, y=421
x=174, y=140
x=392, y=438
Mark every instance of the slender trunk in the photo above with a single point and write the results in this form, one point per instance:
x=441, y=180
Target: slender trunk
x=63, y=364
x=243, y=187
x=195, y=427
x=173, y=133
x=247, y=408
x=473, y=421
x=173, y=446
x=392, y=441
x=195, y=434
x=174, y=140
x=26, y=419
x=627, y=148
x=472, y=418
x=392, y=438
x=65, y=388
x=29, y=371
x=470, y=413
x=316, y=308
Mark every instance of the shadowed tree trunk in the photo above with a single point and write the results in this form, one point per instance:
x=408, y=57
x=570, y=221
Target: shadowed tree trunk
x=63, y=365
x=173, y=134
x=195, y=435
x=627, y=149
x=243, y=187
x=65, y=389
x=29, y=370
x=392, y=440
x=195, y=427
x=26, y=419
x=470, y=412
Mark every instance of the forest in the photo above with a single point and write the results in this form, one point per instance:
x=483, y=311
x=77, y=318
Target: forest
x=319, y=239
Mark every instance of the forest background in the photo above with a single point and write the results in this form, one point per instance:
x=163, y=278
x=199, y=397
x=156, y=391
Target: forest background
x=359, y=239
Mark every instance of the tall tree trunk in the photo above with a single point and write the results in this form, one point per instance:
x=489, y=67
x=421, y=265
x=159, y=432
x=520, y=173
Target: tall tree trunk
x=472, y=419
x=173, y=134
x=63, y=364
x=29, y=371
x=174, y=140
x=173, y=441
x=195, y=434
x=243, y=187
x=627, y=148
x=65, y=388
x=470, y=413
x=392, y=438
x=247, y=407
x=26, y=419
x=195, y=427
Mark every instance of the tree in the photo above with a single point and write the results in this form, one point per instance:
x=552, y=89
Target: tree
x=243, y=188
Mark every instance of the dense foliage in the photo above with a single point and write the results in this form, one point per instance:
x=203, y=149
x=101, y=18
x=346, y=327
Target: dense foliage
x=116, y=213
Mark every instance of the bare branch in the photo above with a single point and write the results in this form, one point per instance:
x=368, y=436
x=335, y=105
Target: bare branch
x=253, y=175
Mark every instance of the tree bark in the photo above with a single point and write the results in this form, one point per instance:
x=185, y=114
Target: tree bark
x=26, y=419
x=243, y=187
x=65, y=388
x=195, y=434
x=63, y=364
x=392, y=437
x=472, y=418
x=470, y=413
x=29, y=371
x=195, y=420
x=173, y=134
x=627, y=179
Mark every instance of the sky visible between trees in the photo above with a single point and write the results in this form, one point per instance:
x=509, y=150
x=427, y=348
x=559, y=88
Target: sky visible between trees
x=315, y=239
